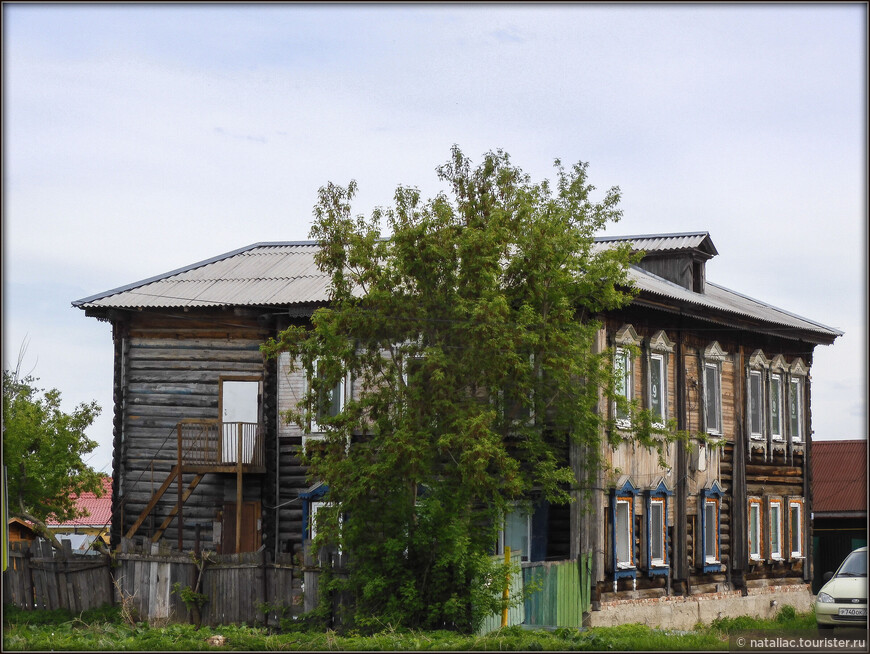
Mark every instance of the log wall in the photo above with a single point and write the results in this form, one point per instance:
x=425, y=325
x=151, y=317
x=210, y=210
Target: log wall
x=170, y=370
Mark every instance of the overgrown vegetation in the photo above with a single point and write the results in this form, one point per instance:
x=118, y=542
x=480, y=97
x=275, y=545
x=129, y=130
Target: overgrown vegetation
x=470, y=335
x=44, y=451
x=103, y=629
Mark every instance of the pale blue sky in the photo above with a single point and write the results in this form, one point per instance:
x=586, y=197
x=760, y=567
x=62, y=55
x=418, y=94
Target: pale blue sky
x=140, y=138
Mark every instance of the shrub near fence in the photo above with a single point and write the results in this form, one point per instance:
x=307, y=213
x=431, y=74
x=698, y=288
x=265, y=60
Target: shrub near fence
x=40, y=577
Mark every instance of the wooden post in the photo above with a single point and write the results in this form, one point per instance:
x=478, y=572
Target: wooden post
x=505, y=595
x=180, y=499
x=238, y=487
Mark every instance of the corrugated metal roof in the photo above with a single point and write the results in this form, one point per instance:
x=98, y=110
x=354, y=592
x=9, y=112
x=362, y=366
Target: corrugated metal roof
x=723, y=299
x=260, y=274
x=285, y=274
x=839, y=476
x=653, y=243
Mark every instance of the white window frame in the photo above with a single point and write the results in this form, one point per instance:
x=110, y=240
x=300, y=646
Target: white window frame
x=663, y=386
x=776, y=395
x=715, y=428
x=313, y=507
x=796, y=505
x=316, y=427
x=756, y=403
x=755, y=506
x=524, y=555
x=658, y=535
x=711, y=502
x=623, y=363
x=628, y=537
x=795, y=393
x=775, y=529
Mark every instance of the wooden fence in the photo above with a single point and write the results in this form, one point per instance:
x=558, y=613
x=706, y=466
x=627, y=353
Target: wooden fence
x=39, y=577
x=246, y=587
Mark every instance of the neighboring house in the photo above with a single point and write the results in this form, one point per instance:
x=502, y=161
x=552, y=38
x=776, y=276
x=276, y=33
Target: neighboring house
x=94, y=524
x=20, y=531
x=193, y=393
x=839, y=503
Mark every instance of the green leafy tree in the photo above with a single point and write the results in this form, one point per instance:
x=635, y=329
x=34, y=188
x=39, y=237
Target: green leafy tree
x=43, y=450
x=470, y=336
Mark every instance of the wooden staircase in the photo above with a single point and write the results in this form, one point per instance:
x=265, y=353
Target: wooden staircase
x=202, y=448
x=156, y=498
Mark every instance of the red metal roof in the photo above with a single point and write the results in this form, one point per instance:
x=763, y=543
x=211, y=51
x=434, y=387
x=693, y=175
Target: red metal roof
x=99, y=509
x=839, y=476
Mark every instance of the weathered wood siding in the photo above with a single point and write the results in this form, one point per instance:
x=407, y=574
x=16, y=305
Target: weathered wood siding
x=780, y=470
x=171, y=371
x=293, y=475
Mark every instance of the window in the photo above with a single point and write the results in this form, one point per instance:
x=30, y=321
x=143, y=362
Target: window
x=657, y=389
x=328, y=402
x=776, y=407
x=240, y=401
x=710, y=502
x=712, y=398
x=624, y=385
x=657, y=532
x=711, y=530
x=795, y=509
x=775, y=513
x=754, y=529
x=756, y=411
x=516, y=534
x=795, y=410
x=624, y=533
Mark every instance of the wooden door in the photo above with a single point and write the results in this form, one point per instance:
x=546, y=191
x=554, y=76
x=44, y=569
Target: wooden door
x=251, y=536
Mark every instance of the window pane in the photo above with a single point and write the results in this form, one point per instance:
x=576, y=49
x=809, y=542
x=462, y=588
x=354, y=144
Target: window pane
x=657, y=544
x=516, y=532
x=795, y=530
x=775, y=408
x=753, y=529
x=710, y=530
x=623, y=379
x=711, y=397
x=755, y=402
x=775, y=527
x=623, y=533
x=794, y=412
x=656, y=386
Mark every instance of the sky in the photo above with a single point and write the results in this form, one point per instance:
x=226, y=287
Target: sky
x=141, y=138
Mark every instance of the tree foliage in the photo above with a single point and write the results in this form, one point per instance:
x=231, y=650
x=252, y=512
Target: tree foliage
x=43, y=451
x=470, y=336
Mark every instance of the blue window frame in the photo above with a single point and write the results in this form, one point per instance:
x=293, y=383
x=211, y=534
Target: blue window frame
x=312, y=498
x=657, y=501
x=622, y=501
x=710, y=511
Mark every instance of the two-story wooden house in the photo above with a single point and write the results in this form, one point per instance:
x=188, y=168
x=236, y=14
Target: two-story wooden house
x=200, y=451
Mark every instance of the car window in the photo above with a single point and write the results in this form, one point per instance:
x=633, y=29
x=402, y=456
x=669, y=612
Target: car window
x=855, y=565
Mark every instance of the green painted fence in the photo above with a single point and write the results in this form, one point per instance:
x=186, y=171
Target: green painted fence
x=516, y=613
x=563, y=592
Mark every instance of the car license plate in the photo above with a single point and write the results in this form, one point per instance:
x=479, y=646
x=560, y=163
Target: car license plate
x=856, y=612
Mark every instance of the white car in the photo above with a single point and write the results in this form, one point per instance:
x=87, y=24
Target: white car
x=842, y=601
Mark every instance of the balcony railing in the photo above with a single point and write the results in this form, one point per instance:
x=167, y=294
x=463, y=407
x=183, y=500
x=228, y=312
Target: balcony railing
x=216, y=443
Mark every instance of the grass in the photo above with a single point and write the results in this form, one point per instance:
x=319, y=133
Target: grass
x=103, y=629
